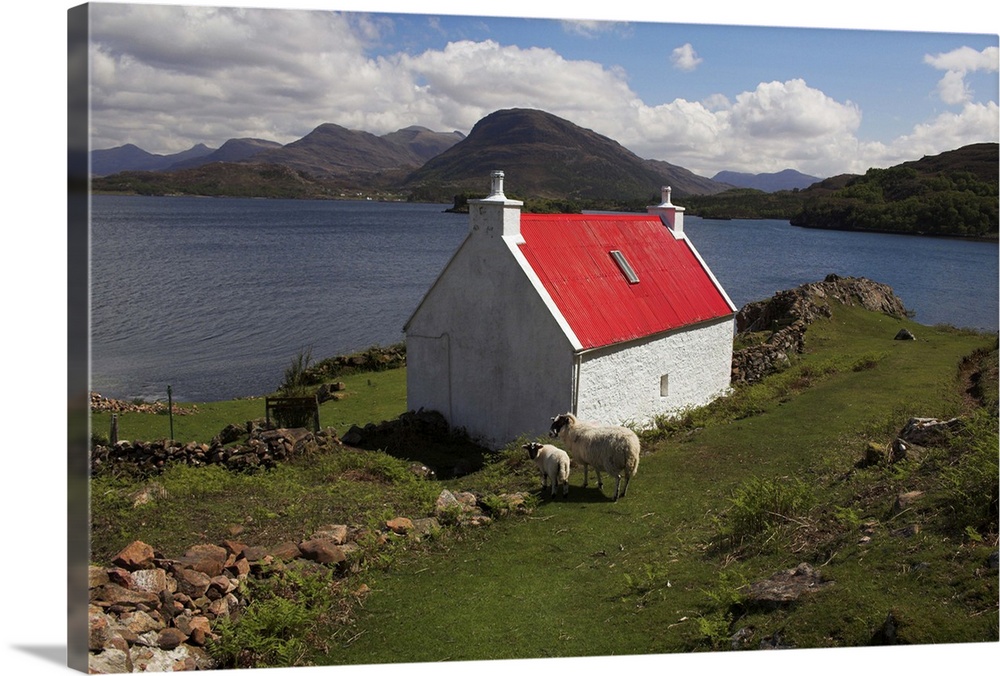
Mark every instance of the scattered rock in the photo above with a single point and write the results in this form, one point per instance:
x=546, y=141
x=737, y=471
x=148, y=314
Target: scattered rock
x=400, y=525
x=787, y=585
x=286, y=551
x=336, y=533
x=905, y=500
x=929, y=431
x=906, y=531
x=888, y=632
x=330, y=391
x=322, y=551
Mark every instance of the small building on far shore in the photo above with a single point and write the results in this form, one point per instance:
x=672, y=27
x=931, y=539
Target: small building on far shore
x=614, y=317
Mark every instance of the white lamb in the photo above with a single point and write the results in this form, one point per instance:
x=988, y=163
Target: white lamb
x=610, y=448
x=553, y=464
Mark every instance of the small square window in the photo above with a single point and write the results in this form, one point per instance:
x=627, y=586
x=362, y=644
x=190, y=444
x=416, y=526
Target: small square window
x=664, y=385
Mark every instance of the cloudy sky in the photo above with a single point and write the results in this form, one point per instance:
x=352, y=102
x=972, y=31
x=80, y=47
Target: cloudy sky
x=707, y=97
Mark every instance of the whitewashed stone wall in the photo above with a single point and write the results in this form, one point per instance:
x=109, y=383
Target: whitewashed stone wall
x=623, y=384
x=502, y=367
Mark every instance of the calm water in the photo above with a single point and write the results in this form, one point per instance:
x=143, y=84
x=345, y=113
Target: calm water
x=215, y=297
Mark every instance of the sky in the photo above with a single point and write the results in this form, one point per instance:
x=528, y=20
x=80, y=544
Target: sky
x=705, y=96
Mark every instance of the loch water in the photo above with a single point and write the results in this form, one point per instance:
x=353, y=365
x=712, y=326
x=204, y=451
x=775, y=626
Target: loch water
x=216, y=296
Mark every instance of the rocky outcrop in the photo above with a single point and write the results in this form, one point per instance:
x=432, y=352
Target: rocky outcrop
x=787, y=315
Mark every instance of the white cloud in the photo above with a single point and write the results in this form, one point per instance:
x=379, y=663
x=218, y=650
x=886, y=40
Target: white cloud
x=167, y=77
x=591, y=29
x=965, y=60
x=952, y=88
x=685, y=58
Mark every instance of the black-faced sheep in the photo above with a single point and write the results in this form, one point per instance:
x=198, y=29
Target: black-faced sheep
x=553, y=464
x=610, y=448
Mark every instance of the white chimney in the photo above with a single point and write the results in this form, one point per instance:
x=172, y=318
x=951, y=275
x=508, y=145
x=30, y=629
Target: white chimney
x=496, y=215
x=671, y=215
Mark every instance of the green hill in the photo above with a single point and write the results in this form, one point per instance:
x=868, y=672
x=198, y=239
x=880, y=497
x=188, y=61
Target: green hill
x=952, y=194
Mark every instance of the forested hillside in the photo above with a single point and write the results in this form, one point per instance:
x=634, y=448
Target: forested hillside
x=952, y=194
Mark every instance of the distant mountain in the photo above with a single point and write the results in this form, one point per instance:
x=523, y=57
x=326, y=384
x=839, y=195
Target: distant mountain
x=332, y=151
x=789, y=179
x=130, y=157
x=328, y=151
x=233, y=150
x=424, y=143
x=547, y=157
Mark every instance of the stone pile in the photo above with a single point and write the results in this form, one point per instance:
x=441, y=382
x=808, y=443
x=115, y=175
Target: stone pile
x=788, y=314
x=103, y=404
x=263, y=449
x=151, y=613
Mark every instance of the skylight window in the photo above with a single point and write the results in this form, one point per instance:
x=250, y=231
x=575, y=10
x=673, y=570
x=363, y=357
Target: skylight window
x=624, y=266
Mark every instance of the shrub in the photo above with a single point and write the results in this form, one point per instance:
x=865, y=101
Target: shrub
x=273, y=630
x=971, y=481
x=762, y=505
x=295, y=383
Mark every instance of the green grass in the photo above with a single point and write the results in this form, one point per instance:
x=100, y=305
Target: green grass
x=731, y=493
x=369, y=397
x=648, y=574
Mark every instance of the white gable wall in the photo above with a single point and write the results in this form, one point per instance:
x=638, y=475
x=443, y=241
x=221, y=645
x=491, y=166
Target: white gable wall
x=482, y=348
x=622, y=383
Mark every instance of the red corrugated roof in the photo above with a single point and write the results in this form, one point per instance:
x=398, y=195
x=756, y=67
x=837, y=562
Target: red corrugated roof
x=571, y=254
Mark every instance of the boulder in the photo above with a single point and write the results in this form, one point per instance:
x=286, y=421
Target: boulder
x=400, y=525
x=192, y=583
x=787, y=585
x=929, y=431
x=322, y=551
x=135, y=556
x=208, y=559
x=337, y=533
x=170, y=638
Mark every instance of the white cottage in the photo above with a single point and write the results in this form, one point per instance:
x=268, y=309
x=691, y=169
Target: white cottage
x=614, y=317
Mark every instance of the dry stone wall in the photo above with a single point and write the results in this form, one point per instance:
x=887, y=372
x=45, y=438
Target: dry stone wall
x=263, y=449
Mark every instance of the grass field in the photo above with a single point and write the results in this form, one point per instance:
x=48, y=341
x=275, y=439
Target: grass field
x=756, y=483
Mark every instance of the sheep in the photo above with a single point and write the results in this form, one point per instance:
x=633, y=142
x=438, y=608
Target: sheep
x=611, y=448
x=553, y=464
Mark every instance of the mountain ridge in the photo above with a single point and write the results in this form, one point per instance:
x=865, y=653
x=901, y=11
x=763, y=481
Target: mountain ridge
x=786, y=179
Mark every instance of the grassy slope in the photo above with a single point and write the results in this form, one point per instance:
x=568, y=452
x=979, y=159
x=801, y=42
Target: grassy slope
x=370, y=397
x=636, y=577
x=645, y=575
